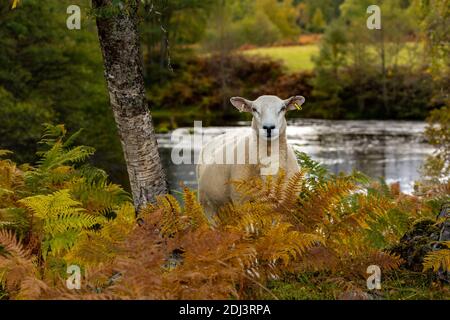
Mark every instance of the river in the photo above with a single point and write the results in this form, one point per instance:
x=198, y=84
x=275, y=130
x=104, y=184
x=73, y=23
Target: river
x=394, y=150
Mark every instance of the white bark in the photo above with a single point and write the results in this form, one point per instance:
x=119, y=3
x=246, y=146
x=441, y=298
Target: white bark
x=119, y=41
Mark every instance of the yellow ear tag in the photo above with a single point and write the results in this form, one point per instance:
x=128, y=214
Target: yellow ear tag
x=297, y=106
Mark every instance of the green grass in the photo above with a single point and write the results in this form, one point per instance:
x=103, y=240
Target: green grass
x=409, y=285
x=296, y=58
x=397, y=285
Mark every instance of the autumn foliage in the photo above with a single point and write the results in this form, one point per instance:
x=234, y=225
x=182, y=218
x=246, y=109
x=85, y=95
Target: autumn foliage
x=63, y=212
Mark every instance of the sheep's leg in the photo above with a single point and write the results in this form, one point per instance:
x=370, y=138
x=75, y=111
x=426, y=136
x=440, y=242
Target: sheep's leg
x=209, y=209
x=235, y=196
x=292, y=166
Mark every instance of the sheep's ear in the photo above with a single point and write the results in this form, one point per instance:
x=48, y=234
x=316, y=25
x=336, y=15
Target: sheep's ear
x=243, y=105
x=294, y=102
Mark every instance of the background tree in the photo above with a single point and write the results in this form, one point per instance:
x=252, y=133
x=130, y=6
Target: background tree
x=378, y=71
x=435, y=20
x=318, y=21
x=329, y=9
x=166, y=26
x=51, y=74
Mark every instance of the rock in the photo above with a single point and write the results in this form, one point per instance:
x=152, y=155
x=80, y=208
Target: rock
x=445, y=226
x=358, y=294
x=354, y=295
x=424, y=237
x=444, y=235
x=416, y=243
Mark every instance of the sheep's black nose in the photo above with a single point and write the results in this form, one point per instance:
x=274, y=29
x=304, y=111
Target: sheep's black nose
x=268, y=129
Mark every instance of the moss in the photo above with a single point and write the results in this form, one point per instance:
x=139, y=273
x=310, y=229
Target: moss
x=303, y=286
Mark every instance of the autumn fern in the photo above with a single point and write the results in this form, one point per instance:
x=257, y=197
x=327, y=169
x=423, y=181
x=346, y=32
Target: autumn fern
x=438, y=259
x=18, y=270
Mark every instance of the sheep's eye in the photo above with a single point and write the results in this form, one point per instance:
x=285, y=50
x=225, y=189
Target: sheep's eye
x=254, y=110
x=283, y=108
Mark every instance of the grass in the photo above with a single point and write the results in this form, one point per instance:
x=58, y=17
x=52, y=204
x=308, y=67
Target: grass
x=398, y=285
x=408, y=285
x=296, y=58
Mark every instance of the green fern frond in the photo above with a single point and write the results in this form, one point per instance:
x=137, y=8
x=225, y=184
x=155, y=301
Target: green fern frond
x=52, y=134
x=92, y=174
x=99, y=197
x=50, y=206
x=71, y=140
x=118, y=228
x=55, y=166
x=15, y=219
x=66, y=221
x=317, y=173
x=96, y=247
x=91, y=249
x=62, y=219
x=58, y=156
x=59, y=242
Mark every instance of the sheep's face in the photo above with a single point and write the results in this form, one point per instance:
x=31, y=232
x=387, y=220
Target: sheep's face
x=268, y=113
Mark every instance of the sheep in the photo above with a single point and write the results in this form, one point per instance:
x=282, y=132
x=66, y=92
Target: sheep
x=260, y=151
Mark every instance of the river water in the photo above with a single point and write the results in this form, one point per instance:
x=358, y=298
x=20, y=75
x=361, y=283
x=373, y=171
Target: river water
x=391, y=149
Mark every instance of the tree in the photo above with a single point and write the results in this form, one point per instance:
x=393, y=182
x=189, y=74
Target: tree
x=283, y=15
x=365, y=72
x=117, y=28
x=166, y=23
x=435, y=18
x=329, y=10
x=318, y=21
x=331, y=59
x=49, y=74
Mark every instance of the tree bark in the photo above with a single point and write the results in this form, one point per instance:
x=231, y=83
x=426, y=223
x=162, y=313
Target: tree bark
x=383, y=74
x=119, y=42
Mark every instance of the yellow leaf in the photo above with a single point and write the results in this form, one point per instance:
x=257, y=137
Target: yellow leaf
x=15, y=3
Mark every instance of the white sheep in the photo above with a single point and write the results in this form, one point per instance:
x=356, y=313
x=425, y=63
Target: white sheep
x=239, y=156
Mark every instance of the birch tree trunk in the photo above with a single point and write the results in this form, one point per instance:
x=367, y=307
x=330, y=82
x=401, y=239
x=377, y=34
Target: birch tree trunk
x=119, y=42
